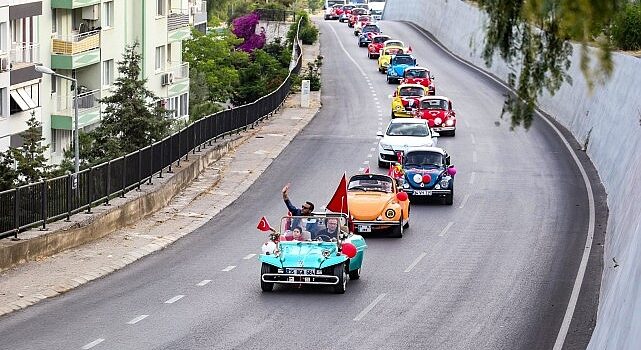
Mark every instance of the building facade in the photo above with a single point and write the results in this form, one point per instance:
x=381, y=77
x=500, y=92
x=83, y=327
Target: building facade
x=85, y=40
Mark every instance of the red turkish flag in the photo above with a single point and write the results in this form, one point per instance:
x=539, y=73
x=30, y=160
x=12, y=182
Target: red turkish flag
x=390, y=172
x=366, y=171
x=263, y=225
x=338, y=203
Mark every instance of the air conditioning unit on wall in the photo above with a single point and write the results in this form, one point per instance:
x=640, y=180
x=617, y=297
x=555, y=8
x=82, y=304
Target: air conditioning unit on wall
x=167, y=79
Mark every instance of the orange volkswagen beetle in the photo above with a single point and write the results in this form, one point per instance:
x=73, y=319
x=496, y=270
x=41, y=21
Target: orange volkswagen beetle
x=376, y=203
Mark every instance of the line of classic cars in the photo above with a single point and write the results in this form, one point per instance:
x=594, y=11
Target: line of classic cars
x=328, y=248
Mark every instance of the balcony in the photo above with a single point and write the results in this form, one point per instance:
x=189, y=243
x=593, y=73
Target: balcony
x=88, y=110
x=75, y=50
x=178, y=25
x=23, y=57
x=199, y=13
x=72, y=4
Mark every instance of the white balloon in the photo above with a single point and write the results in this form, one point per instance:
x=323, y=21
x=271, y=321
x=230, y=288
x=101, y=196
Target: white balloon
x=268, y=247
x=417, y=178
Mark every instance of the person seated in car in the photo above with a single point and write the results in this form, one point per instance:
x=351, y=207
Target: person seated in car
x=330, y=231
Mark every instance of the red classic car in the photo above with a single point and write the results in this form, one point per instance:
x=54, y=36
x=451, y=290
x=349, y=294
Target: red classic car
x=374, y=48
x=419, y=75
x=337, y=11
x=354, y=15
x=347, y=11
x=438, y=112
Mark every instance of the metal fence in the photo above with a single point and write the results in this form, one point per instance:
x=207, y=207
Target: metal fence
x=40, y=203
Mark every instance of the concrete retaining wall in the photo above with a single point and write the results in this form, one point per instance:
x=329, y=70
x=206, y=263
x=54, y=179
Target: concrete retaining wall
x=86, y=228
x=610, y=117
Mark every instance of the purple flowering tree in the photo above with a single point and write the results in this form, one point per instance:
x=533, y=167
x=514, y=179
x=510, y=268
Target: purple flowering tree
x=245, y=27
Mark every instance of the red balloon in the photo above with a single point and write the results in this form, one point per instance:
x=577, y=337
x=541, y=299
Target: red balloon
x=349, y=249
x=427, y=178
x=401, y=196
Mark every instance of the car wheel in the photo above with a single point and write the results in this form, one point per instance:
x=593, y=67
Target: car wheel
x=369, y=55
x=266, y=286
x=453, y=133
x=407, y=223
x=449, y=199
x=389, y=81
x=381, y=164
x=397, y=231
x=341, y=273
x=355, y=274
x=326, y=17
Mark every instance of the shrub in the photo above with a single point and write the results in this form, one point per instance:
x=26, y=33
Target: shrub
x=308, y=35
x=626, y=28
x=313, y=74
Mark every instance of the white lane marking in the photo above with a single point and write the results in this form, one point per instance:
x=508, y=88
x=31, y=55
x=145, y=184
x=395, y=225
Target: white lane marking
x=472, y=177
x=347, y=53
x=203, y=283
x=138, y=319
x=381, y=118
x=372, y=149
x=374, y=94
x=474, y=157
x=361, y=169
x=473, y=139
x=447, y=228
x=228, y=268
x=93, y=343
x=375, y=142
x=376, y=99
x=174, y=299
x=249, y=256
x=369, y=156
x=370, y=307
x=467, y=196
x=366, y=162
x=415, y=262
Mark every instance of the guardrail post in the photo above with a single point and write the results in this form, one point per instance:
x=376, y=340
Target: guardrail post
x=108, y=183
x=89, y=189
x=151, y=164
x=139, y=169
x=124, y=176
x=16, y=212
x=43, y=206
x=69, y=191
x=178, y=163
x=171, y=155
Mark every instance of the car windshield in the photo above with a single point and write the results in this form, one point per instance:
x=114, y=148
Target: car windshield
x=393, y=51
x=359, y=11
x=311, y=228
x=411, y=91
x=416, y=73
x=376, y=12
x=403, y=60
x=394, y=43
x=363, y=18
x=370, y=29
x=348, y=7
x=434, y=104
x=408, y=129
x=374, y=184
x=423, y=158
x=380, y=39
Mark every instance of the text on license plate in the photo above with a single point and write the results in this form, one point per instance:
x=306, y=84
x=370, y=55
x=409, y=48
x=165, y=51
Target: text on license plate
x=364, y=228
x=300, y=271
x=422, y=193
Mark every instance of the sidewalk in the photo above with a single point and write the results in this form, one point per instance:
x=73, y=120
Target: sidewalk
x=28, y=283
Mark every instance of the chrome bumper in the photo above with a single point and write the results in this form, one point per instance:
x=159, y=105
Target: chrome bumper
x=289, y=278
x=443, y=128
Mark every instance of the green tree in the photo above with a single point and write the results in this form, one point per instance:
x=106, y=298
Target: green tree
x=30, y=157
x=132, y=118
x=8, y=174
x=261, y=76
x=535, y=35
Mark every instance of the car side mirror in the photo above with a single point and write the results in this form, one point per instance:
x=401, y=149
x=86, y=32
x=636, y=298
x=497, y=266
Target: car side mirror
x=394, y=94
x=380, y=134
x=447, y=160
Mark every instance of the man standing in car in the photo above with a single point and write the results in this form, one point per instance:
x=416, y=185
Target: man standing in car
x=305, y=210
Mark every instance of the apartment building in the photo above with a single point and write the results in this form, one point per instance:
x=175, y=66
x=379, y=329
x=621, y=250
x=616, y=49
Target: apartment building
x=85, y=40
x=20, y=84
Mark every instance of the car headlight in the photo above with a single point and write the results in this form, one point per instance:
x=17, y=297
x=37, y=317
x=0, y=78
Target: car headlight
x=449, y=122
x=398, y=107
x=438, y=121
x=406, y=185
x=390, y=213
x=386, y=146
x=445, y=182
x=392, y=73
x=437, y=187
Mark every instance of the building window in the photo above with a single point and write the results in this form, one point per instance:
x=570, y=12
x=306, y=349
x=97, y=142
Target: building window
x=108, y=11
x=3, y=37
x=54, y=23
x=160, y=58
x=172, y=107
x=3, y=110
x=184, y=105
x=54, y=88
x=54, y=140
x=160, y=7
x=107, y=72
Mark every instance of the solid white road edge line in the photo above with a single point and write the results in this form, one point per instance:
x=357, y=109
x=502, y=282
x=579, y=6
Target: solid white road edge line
x=473, y=139
x=472, y=176
x=574, y=297
x=447, y=228
x=249, y=256
x=137, y=319
x=203, y=283
x=174, y=299
x=93, y=343
x=467, y=196
x=347, y=53
x=228, y=268
x=415, y=262
x=370, y=307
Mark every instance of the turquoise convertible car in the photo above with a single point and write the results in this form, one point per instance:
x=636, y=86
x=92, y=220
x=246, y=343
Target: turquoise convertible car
x=315, y=250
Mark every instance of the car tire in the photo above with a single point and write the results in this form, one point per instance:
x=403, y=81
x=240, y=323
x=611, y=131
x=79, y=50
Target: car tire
x=449, y=199
x=407, y=223
x=397, y=231
x=453, y=133
x=341, y=273
x=369, y=55
x=381, y=164
x=389, y=81
x=355, y=274
x=266, y=286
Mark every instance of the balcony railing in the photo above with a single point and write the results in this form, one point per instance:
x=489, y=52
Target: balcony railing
x=179, y=71
x=87, y=101
x=75, y=43
x=177, y=18
x=25, y=53
x=199, y=12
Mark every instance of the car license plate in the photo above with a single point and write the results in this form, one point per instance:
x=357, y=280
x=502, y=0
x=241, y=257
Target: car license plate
x=300, y=271
x=422, y=193
x=364, y=228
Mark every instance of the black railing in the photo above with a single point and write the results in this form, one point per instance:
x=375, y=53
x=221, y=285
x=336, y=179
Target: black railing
x=40, y=203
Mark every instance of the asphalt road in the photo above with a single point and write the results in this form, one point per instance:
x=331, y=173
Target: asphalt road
x=493, y=271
